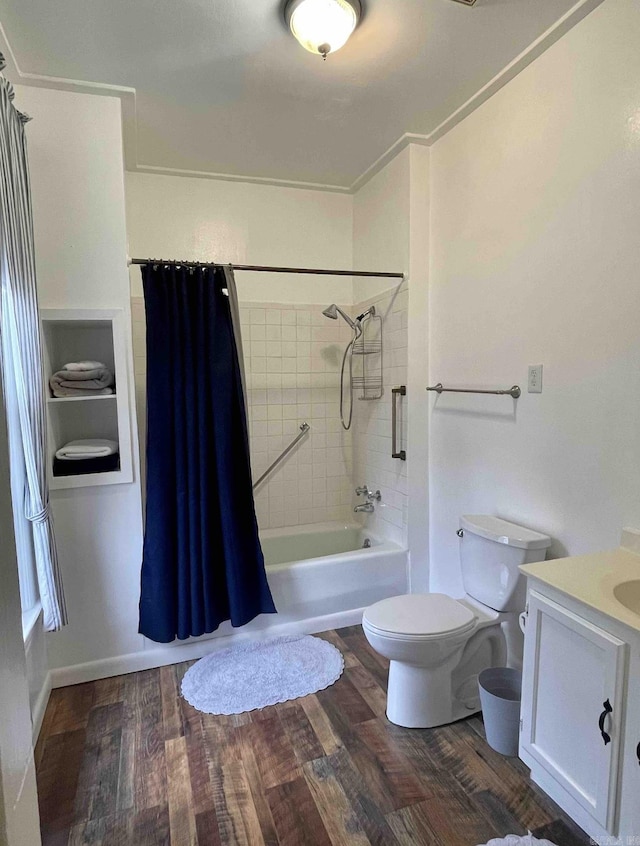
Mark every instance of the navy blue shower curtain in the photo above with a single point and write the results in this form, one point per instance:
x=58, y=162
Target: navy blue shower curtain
x=202, y=560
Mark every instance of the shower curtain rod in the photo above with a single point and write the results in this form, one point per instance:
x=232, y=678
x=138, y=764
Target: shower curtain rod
x=269, y=269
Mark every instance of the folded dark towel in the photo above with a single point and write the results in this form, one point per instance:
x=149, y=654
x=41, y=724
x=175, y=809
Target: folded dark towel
x=81, y=467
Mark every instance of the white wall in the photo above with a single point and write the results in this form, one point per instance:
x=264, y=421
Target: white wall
x=381, y=226
x=390, y=232
x=79, y=218
x=19, y=820
x=381, y=242
x=418, y=366
x=536, y=259
x=212, y=220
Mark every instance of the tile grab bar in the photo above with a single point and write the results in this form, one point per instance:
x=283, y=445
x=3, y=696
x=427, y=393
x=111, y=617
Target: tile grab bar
x=395, y=393
x=304, y=428
x=514, y=391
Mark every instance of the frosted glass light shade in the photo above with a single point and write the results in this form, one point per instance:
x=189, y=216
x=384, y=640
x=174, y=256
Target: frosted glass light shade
x=322, y=26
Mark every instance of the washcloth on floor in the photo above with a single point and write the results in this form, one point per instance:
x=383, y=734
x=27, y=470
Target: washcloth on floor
x=87, y=448
x=72, y=381
x=81, y=467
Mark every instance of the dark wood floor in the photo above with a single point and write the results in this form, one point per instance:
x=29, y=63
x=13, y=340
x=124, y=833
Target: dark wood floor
x=128, y=761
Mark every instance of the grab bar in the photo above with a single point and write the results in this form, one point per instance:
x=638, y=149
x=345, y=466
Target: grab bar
x=395, y=452
x=304, y=428
x=439, y=389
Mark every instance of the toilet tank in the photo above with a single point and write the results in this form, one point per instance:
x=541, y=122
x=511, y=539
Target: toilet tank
x=491, y=550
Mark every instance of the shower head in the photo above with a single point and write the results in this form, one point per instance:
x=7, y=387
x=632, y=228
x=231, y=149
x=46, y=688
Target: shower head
x=333, y=311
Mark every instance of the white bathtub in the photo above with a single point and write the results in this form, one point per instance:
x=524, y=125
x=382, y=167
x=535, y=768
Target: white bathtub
x=320, y=577
x=323, y=570
x=286, y=546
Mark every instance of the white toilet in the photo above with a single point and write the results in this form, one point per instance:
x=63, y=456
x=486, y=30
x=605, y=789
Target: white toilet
x=437, y=645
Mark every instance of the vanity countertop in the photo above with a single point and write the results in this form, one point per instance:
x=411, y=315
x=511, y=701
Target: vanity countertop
x=591, y=579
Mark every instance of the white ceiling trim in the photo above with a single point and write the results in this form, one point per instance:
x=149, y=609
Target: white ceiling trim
x=127, y=97
x=233, y=177
x=533, y=51
x=388, y=155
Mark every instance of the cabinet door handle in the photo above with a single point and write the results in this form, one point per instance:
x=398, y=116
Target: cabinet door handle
x=607, y=710
x=638, y=752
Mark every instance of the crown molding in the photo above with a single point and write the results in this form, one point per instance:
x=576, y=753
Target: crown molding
x=529, y=55
x=127, y=97
x=380, y=163
x=233, y=177
x=532, y=52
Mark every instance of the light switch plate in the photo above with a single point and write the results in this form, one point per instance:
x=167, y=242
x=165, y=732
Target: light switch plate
x=534, y=385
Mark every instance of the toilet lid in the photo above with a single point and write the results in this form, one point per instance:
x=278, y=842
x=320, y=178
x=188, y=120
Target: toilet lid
x=426, y=614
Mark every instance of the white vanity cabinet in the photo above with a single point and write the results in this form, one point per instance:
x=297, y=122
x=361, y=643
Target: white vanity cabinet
x=573, y=686
x=580, y=718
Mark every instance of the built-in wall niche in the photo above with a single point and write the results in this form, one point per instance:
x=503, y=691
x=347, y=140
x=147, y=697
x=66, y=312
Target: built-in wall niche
x=87, y=335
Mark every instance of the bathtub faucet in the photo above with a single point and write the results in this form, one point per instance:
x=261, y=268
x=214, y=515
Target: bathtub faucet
x=367, y=506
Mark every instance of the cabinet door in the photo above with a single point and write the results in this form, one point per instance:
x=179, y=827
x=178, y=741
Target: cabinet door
x=573, y=671
x=630, y=809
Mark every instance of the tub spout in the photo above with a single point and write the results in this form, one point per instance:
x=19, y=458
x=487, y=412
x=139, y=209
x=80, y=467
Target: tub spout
x=364, y=506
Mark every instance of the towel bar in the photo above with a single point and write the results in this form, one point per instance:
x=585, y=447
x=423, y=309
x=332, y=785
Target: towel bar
x=439, y=389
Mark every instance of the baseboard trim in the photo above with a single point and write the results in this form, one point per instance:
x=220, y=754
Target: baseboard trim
x=164, y=655
x=40, y=706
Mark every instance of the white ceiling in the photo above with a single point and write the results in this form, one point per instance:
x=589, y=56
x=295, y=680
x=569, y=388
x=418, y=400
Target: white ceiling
x=221, y=87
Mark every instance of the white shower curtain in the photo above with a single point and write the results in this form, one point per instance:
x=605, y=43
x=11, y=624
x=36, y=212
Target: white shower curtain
x=21, y=346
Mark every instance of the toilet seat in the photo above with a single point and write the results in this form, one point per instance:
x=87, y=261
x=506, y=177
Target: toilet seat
x=419, y=617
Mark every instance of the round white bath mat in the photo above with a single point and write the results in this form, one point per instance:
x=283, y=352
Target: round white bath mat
x=254, y=675
x=516, y=840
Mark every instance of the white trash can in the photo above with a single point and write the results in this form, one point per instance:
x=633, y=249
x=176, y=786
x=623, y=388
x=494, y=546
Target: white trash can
x=500, y=695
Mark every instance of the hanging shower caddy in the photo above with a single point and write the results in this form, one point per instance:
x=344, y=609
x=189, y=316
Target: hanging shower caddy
x=368, y=349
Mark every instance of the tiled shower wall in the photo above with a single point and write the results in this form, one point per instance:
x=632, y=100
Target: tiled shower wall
x=292, y=357
x=292, y=363
x=292, y=360
x=373, y=464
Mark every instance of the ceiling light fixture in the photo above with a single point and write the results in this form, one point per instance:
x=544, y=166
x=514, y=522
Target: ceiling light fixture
x=322, y=26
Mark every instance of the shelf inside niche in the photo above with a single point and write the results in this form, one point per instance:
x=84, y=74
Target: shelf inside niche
x=82, y=399
x=81, y=335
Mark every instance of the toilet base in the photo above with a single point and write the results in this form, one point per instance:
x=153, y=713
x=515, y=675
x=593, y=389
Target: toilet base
x=420, y=697
x=426, y=697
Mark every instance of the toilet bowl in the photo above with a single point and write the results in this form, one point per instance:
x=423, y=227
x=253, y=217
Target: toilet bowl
x=437, y=645
x=423, y=657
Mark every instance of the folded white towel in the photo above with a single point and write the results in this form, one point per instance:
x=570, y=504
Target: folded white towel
x=68, y=383
x=87, y=448
x=84, y=365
